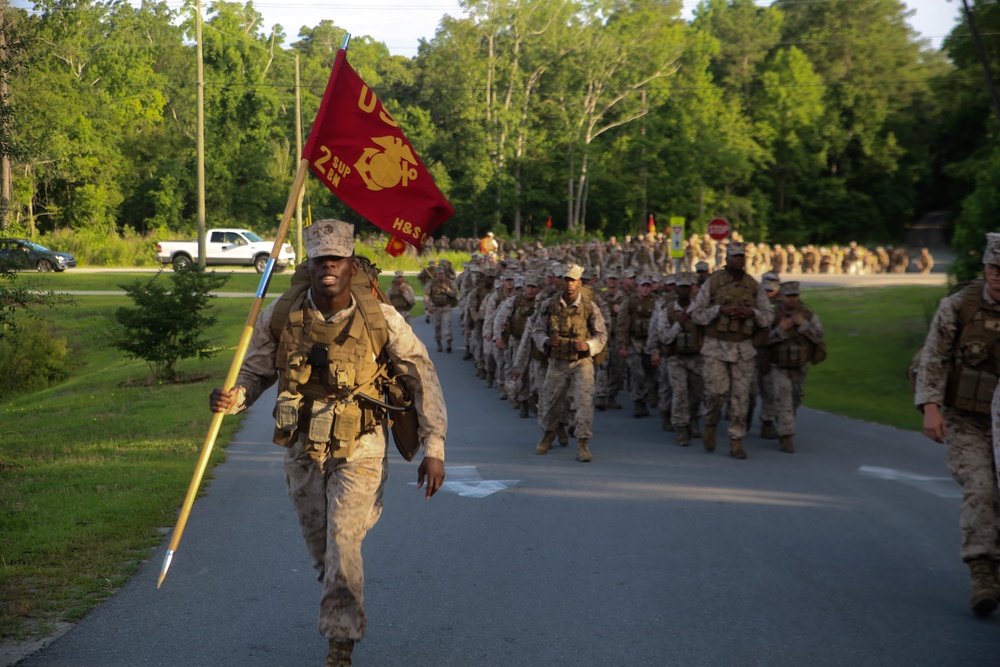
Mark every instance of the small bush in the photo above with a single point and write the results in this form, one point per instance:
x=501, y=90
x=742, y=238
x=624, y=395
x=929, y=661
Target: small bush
x=166, y=323
x=31, y=360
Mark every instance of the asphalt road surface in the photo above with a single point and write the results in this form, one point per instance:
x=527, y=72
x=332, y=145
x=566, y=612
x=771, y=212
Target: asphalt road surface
x=845, y=553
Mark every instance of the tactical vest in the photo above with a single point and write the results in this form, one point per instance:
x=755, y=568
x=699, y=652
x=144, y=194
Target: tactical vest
x=399, y=301
x=795, y=351
x=521, y=310
x=440, y=295
x=972, y=376
x=640, y=312
x=689, y=339
x=569, y=324
x=728, y=292
x=322, y=366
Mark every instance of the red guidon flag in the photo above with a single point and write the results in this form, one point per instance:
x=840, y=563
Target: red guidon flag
x=652, y=225
x=358, y=151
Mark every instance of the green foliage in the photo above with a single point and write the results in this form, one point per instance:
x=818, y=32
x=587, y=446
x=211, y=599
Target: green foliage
x=166, y=325
x=30, y=361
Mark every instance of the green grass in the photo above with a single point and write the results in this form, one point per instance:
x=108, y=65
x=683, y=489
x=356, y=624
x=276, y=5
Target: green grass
x=871, y=336
x=92, y=470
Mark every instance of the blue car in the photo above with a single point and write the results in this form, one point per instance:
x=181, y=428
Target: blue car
x=27, y=256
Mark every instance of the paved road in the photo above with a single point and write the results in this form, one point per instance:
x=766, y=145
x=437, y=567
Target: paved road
x=845, y=553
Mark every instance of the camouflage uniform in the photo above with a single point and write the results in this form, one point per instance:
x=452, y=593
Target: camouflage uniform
x=569, y=379
x=611, y=373
x=729, y=352
x=633, y=328
x=442, y=297
x=789, y=352
x=971, y=457
x=402, y=297
x=339, y=499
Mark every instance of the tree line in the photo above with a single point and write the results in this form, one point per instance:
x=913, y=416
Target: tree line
x=799, y=122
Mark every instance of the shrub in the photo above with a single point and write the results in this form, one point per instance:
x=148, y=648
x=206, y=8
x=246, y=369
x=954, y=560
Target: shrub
x=166, y=323
x=31, y=360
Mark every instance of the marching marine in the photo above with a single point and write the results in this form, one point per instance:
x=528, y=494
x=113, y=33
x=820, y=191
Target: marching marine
x=956, y=380
x=401, y=295
x=731, y=305
x=442, y=297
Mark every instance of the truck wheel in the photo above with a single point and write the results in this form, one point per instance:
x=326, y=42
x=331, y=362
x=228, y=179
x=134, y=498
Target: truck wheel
x=181, y=262
x=260, y=262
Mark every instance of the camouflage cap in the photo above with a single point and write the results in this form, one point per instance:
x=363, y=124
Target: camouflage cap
x=701, y=266
x=573, y=271
x=992, y=253
x=685, y=279
x=441, y=270
x=611, y=273
x=790, y=288
x=645, y=279
x=629, y=273
x=329, y=238
x=770, y=281
x=533, y=279
x=735, y=248
x=399, y=274
x=432, y=262
x=670, y=279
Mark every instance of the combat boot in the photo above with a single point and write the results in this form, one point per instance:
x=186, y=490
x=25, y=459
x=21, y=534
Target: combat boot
x=481, y=373
x=467, y=355
x=736, y=448
x=665, y=422
x=787, y=445
x=562, y=435
x=613, y=404
x=708, y=437
x=524, y=414
x=545, y=444
x=582, y=453
x=339, y=654
x=683, y=436
x=767, y=430
x=449, y=347
x=985, y=586
x=695, y=429
x=439, y=346
x=639, y=409
x=601, y=404
x=489, y=379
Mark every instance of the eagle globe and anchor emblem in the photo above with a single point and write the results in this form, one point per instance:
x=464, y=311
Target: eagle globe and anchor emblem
x=395, y=164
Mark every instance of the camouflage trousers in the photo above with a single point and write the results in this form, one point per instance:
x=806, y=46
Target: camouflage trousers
x=722, y=377
x=971, y=462
x=611, y=374
x=477, y=345
x=687, y=387
x=566, y=382
x=337, y=503
x=441, y=318
x=788, y=385
x=763, y=388
x=665, y=391
x=504, y=359
x=642, y=375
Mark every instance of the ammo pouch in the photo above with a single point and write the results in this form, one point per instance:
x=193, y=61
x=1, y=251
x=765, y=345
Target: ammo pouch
x=790, y=355
x=970, y=390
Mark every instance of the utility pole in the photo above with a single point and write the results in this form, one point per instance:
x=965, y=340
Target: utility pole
x=983, y=60
x=298, y=156
x=202, y=252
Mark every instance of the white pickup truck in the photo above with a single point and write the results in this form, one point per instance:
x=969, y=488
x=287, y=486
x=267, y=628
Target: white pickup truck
x=225, y=247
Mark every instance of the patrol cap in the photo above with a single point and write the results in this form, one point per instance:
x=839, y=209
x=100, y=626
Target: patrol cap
x=556, y=269
x=533, y=279
x=992, y=253
x=770, y=281
x=329, y=238
x=432, y=262
x=574, y=271
x=611, y=273
x=440, y=269
x=508, y=276
x=399, y=274
x=685, y=279
x=670, y=279
x=701, y=266
x=735, y=248
x=629, y=273
x=790, y=288
x=519, y=282
x=645, y=279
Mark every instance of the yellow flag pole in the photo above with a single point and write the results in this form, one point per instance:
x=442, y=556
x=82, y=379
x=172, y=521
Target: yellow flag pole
x=234, y=369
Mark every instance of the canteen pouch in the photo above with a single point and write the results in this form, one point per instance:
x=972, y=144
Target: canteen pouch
x=286, y=418
x=321, y=421
x=974, y=390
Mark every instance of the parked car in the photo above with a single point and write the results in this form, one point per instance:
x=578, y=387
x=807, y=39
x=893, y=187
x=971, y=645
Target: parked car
x=26, y=255
x=232, y=247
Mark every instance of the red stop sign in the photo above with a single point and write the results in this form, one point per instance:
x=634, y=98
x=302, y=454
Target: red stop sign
x=719, y=228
